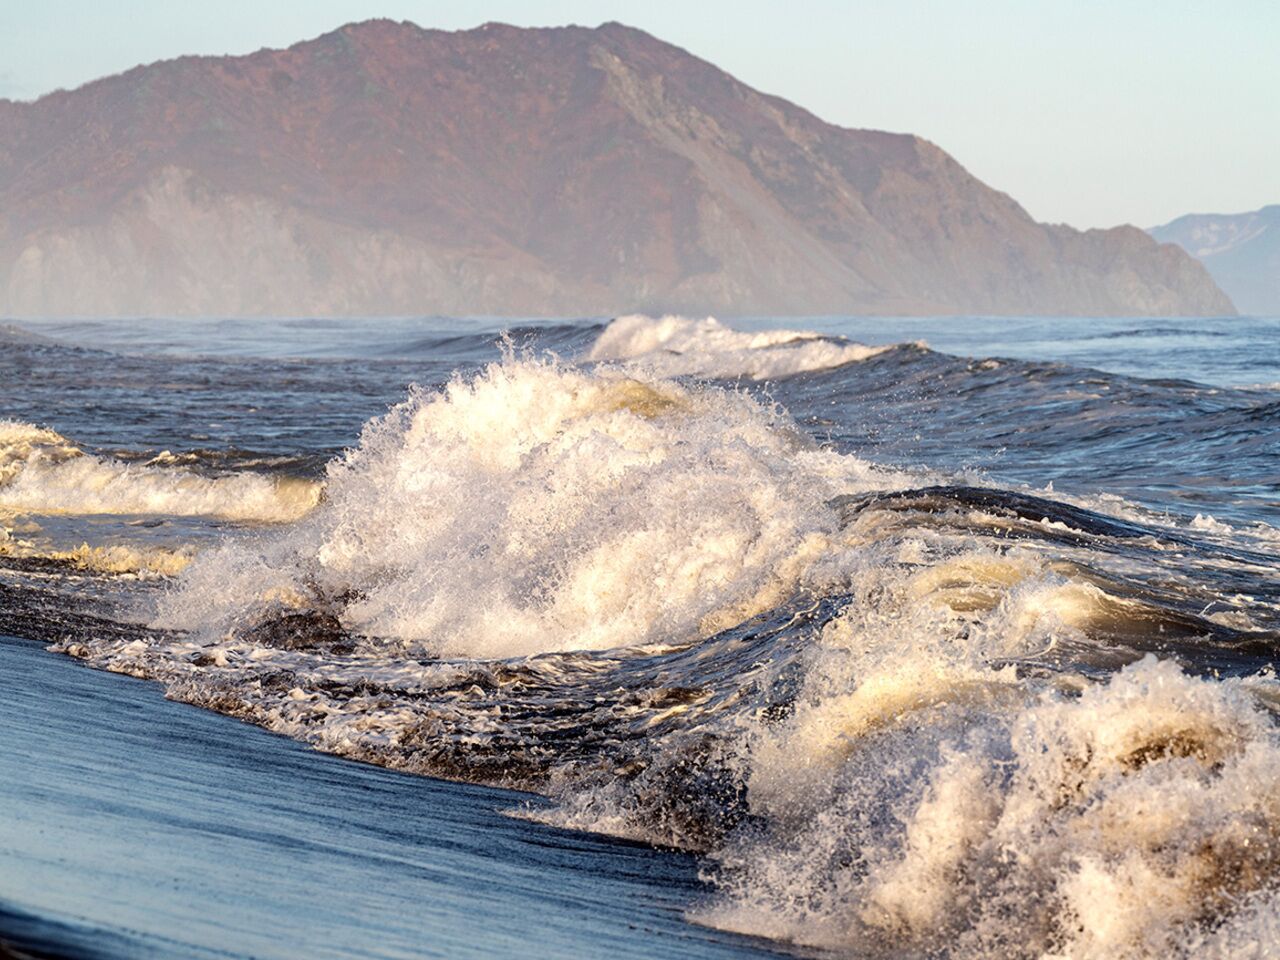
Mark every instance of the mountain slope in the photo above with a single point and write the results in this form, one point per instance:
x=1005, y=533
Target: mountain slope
x=383, y=168
x=1241, y=251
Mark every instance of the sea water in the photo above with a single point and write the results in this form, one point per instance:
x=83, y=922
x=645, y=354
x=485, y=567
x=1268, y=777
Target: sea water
x=945, y=637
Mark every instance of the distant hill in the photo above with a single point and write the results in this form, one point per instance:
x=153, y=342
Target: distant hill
x=1241, y=250
x=386, y=169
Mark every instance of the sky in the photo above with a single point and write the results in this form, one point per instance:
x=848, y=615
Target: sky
x=1088, y=113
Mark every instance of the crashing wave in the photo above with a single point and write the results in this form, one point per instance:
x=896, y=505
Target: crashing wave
x=41, y=472
x=925, y=795
x=675, y=346
x=538, y=507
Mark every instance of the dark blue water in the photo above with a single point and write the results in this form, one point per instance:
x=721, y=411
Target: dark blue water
x=168, y=832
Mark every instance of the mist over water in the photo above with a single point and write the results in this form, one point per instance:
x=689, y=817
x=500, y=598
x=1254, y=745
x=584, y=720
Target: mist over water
x=934, y=637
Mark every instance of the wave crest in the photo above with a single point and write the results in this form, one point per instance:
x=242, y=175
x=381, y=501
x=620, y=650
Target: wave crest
x=674, y=346
x=927, y=794
x=41, y=472
x=537, y=507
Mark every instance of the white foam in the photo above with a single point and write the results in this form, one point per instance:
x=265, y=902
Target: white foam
x=113, y=558
x=538, y=508
x=675, y=346
x=925, y=798
x=41, y=472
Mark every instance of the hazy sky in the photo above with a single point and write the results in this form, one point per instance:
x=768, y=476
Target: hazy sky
x=1091, y=113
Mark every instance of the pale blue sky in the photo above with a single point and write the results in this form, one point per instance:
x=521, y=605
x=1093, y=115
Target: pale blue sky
x=1090, y=113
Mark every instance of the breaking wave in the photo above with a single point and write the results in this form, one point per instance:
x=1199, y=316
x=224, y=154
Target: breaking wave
x=945, y=801
x=678, y=346
x=41, y=472
x=538, y=507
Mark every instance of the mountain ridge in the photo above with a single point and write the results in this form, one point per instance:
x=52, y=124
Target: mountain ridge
x=383, y=168
x=1240, y=250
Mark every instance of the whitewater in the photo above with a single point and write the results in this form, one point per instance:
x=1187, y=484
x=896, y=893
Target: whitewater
x=928, y=638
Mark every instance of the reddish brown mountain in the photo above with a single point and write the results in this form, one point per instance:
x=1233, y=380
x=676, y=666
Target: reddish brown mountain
x=383, y=168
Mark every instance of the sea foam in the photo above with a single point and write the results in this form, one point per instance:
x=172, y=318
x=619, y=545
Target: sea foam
x=673, y=346
x=928, y=796
x=537, y=507
x=41, y=472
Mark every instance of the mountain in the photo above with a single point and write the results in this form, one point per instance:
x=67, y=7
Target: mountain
x=387, y=169
x=1241, y=250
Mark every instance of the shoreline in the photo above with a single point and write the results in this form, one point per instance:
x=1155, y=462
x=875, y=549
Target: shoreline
x=138, y=826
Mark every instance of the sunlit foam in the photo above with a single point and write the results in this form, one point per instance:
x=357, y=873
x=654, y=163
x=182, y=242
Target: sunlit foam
x=41, y=472
x=537, y=507
x=678, y=346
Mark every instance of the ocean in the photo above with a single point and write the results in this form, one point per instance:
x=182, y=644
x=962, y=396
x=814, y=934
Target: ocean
x=870, y=637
